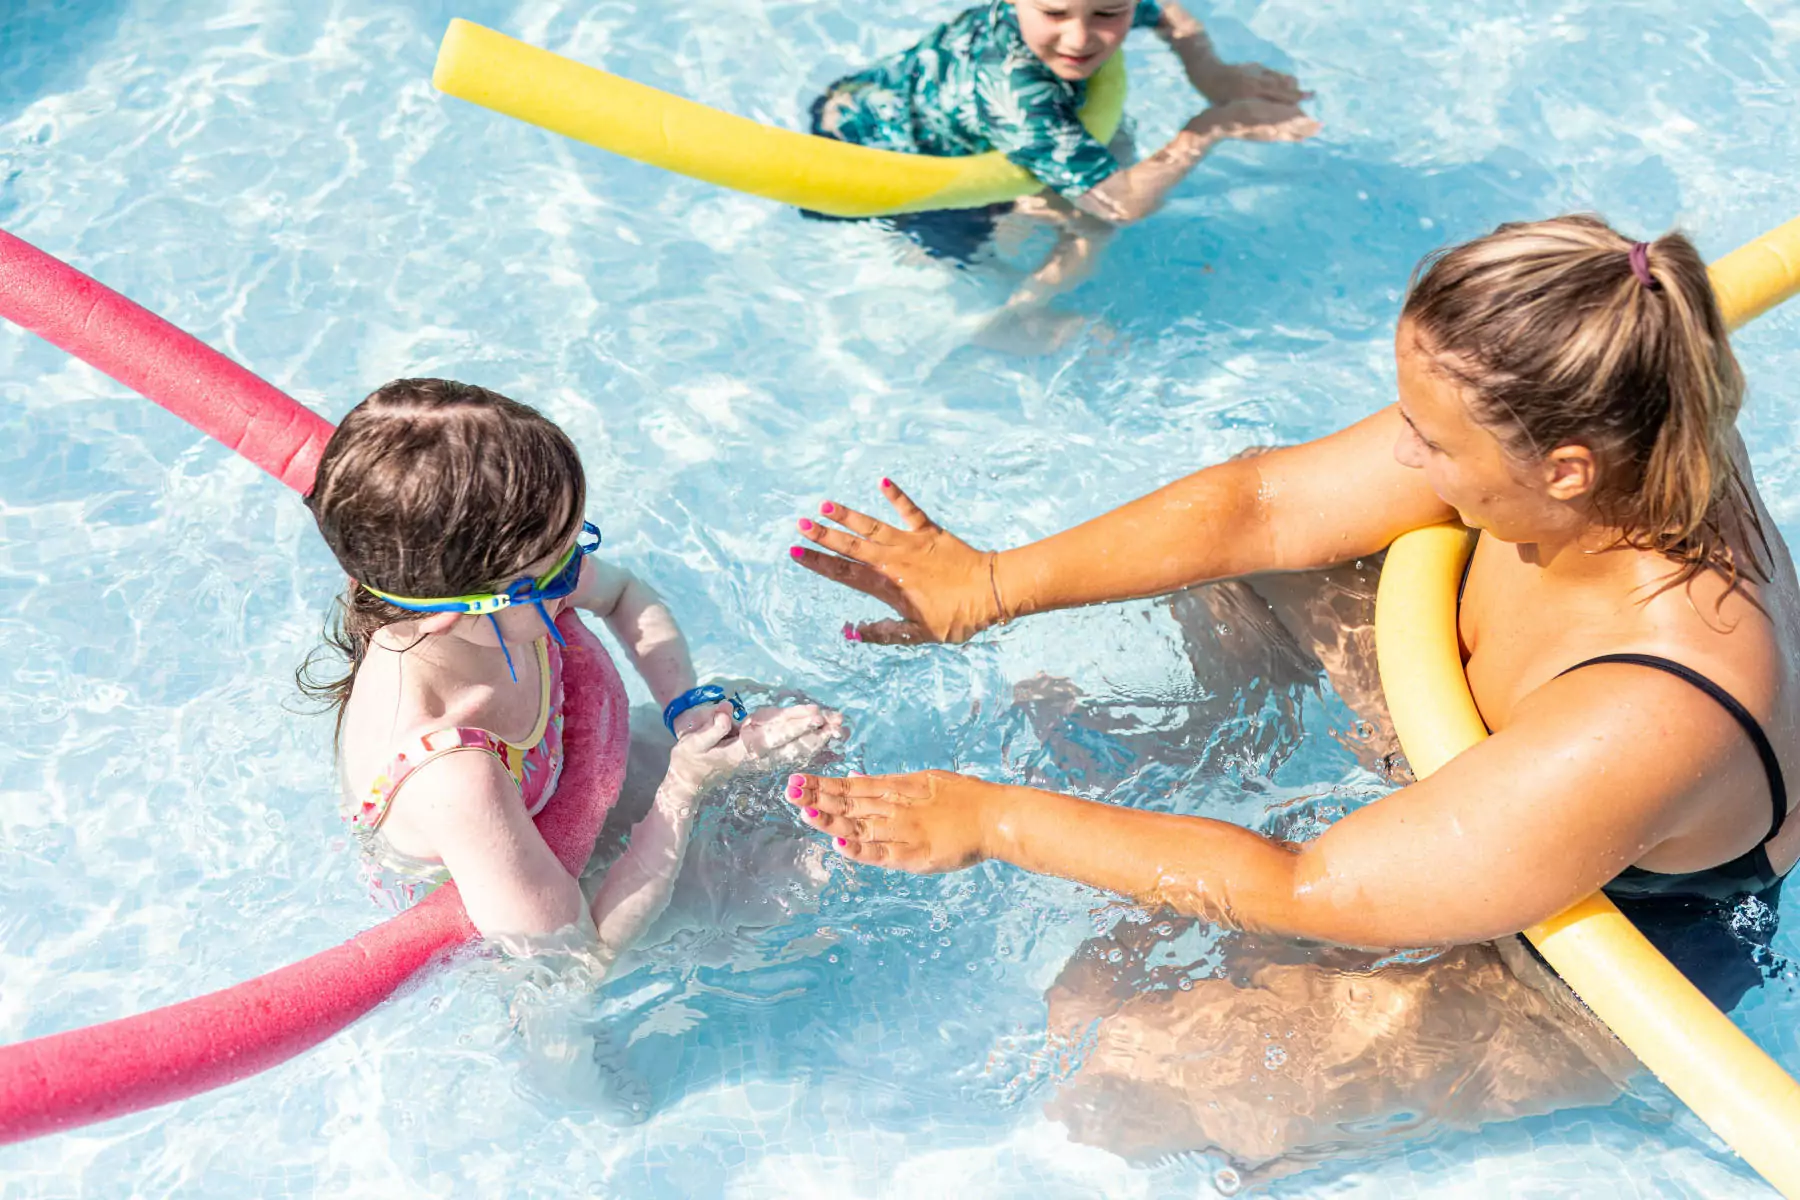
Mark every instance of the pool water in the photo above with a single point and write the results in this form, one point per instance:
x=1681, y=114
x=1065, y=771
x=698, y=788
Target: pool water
x=281, y=181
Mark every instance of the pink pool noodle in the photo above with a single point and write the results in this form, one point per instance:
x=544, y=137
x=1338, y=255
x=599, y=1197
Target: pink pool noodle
x=160, y=362
x=70, y=1079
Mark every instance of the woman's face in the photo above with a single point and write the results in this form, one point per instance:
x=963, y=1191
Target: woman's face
x=1465, y=462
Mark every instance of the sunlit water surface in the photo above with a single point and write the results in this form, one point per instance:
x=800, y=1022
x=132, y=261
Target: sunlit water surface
x=282, y=181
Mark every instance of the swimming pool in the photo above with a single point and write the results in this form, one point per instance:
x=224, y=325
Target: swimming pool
x=288, y=188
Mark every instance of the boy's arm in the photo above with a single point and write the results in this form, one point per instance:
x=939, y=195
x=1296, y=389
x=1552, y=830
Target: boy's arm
x=1219, y=81
x=1135, y=192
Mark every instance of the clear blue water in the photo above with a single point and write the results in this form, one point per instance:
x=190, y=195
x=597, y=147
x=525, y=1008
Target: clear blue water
x=281, y=181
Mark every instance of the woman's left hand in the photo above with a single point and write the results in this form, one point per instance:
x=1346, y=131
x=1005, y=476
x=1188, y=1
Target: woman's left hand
x=925, y=822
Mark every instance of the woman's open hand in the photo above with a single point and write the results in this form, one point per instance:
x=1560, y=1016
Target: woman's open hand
x=941, y=587
x=925, y=822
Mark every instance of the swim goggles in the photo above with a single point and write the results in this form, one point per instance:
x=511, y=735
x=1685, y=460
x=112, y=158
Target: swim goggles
x=559, y=581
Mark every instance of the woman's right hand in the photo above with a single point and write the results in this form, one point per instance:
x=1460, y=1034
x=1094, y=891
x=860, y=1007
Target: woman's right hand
x=941, y=587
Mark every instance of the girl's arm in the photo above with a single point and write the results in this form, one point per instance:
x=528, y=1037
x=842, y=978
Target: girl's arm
x=467, y=804
x=1509, y=833
x=637, y=887
x=646, y=628
x=1291, y=509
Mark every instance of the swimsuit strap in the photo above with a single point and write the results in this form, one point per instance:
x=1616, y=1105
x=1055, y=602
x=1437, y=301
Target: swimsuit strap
x=371, y=808
x=1728, y=702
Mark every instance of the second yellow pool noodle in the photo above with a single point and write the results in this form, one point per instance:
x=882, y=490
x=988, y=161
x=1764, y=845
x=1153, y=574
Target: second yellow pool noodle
x=581, y=102
x=1741, y=1093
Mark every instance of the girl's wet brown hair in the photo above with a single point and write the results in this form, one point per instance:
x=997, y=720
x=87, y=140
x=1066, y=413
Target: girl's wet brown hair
x=1558, y=341
x=433, y=488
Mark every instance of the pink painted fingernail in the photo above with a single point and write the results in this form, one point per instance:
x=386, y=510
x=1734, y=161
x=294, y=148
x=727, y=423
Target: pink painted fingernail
x=795, y=552
x=886, y=482
x=828, y=508
x=795, y=792
x=812, y=814
x=806, y=526
x=850, y=633
x=795, y=781
x=842, y=842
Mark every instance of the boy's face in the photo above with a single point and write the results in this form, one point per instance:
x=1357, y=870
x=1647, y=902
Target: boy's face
x=1074, y=38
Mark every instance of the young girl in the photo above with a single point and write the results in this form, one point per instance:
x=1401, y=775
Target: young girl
x=459, y=516
x=1011, y=75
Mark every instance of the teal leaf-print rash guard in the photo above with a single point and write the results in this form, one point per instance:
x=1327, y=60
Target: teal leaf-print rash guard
x=971, y=86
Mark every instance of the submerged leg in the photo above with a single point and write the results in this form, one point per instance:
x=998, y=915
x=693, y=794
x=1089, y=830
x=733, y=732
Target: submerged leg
x=1281, y=1063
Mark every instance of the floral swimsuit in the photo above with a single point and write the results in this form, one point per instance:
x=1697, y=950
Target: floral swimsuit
x=535, y=764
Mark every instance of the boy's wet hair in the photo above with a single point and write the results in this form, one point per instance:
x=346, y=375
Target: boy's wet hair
x=1560, y=337
x=434, y=488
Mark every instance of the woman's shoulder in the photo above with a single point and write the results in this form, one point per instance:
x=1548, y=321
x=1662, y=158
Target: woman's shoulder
x=1739, y=629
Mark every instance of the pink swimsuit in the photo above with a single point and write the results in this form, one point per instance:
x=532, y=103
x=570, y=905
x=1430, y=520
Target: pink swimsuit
x=535, y=764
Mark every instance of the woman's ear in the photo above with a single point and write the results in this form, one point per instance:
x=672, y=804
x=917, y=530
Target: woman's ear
x=1570, y=472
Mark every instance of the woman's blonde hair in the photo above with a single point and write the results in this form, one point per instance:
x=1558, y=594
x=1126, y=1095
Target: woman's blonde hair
x=1564, y=331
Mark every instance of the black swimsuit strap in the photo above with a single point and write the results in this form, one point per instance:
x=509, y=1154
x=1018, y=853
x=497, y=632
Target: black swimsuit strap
x=1728, y=702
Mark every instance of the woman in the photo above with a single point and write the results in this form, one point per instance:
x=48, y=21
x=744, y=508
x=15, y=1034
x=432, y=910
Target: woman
x=1571, y=396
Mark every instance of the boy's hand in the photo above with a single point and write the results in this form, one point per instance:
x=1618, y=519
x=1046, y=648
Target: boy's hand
x=1223, y=83
x=1255, y=121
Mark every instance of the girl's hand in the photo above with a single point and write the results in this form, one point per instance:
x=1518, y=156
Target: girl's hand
x=926, y=822
x=704, y=753
x=698, y=717
x=790, y=734
x=1255, y=121
x=941, y=586
x=1222, y=83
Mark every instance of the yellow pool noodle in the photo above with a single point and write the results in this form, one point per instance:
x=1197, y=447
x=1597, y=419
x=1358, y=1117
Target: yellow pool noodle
x=823, y=174
x=1699, y=1054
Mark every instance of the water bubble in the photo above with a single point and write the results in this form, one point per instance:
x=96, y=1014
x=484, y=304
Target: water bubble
x=1274, y=1057
x=1227, y=1182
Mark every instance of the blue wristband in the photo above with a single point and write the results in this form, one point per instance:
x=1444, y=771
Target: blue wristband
x=712, y=693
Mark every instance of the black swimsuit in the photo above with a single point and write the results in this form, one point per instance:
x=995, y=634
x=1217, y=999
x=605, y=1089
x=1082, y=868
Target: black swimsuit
x=1702, y=921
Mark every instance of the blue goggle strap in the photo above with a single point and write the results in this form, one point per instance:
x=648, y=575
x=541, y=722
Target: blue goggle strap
x=712, y=693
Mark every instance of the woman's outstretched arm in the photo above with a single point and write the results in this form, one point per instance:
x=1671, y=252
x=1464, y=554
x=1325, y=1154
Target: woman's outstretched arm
x=1509, y=833
x=1292, y=509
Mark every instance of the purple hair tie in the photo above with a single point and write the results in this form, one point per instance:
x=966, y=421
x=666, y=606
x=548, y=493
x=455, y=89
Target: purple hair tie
x=1640, y=266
